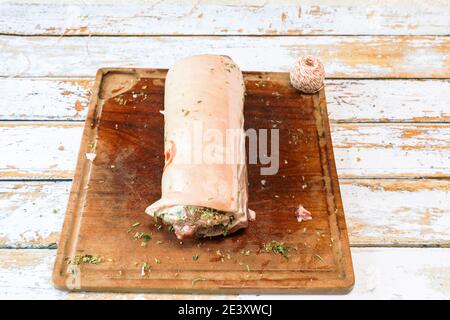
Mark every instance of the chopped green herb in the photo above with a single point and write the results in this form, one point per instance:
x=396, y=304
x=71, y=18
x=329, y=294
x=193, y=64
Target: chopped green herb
x=277, y=248
x=195, y=280
x=171, y=228
x=225, y=231
x=158, y=226
x=86, y=259
x=144, y=237
x=134, y=225
x=195, y=257
x=52, y=246
x=319, y=257
x=186, y=113
x=144, y=268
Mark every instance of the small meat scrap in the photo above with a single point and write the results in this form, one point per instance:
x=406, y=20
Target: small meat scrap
x=251, y=215
x=90, y=156
x=302, y=214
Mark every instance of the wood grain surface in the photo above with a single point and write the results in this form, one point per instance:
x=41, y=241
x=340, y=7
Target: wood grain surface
x=216, y=17
x=409, y=150
x=383, y=273
x=407, y=212
x=371, y=56
x=347, y=100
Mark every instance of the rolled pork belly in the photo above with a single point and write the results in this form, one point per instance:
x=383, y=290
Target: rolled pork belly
x=204, y=182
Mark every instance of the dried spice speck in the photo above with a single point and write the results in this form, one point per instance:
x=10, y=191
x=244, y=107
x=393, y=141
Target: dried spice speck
x=195, y=280
x=86, y=259
x=277, y=248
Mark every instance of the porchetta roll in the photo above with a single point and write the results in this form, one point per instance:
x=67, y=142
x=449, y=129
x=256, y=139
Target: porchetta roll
x=204, y=182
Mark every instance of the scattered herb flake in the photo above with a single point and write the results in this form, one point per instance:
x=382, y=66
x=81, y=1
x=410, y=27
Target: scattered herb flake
x=319, y=257
x=277, y=248
x=195, y=257
x=52, y=246
x=144, y=237
x=86, y=259
x=134, y=225
x=195, y=280
x=144, y=268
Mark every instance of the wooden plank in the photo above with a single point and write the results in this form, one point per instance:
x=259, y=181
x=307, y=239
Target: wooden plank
x=47, y=150
x=26, y=274
x=371, y=56
x=347, y=100
x=391, y=150
x=44, y=99
x=31, y=213
x=397, y=212
x=378, y=212
x=381, y=273
x=39, y=149
x=241, y=17
x=388, y=100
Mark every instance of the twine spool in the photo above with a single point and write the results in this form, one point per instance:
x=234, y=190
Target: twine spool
x=308, y=74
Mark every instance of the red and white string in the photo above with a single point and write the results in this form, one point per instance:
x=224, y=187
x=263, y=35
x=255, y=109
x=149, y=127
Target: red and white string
x=308, y=74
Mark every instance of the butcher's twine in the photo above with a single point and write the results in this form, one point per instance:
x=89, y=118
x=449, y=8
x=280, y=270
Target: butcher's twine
x=308, y=74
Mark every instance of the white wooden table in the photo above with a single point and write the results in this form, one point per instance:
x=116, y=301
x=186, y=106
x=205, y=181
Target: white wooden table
x=388, y=92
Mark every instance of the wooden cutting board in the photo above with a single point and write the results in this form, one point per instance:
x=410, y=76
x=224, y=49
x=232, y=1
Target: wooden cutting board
x=124, y=129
